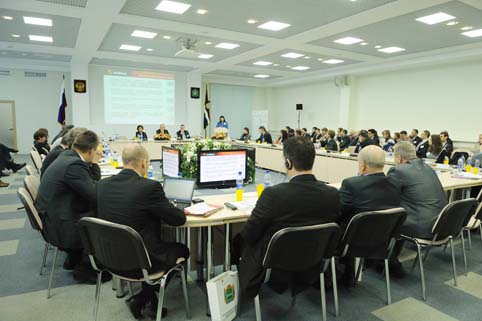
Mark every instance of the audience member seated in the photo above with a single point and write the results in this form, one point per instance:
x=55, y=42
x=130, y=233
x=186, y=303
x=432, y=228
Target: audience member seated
x=7, y=162
x=317, y=135
x=283, y=137
x=370, y=191
x=246, y=136
x=324, y=137
x=264, y=137
x=222, y=123
x=447, y=143
x=140, y=133
x=373, y=137
x=389, y=142
x=182, y=133
x=305, y=133
x=422, y=196
x=298, y=132
x=130, y=199
x=291, y=133
x=162, y=133
x=67, y=192
x=302, y=201
x=40, y=142
x=331, y=143
x=435, y=150
x=56, y=140
x=414, y=137
x=404, y=136
x=344, y=140
x=363, y=141
x=422, y=148
x=313, y=134
x=397, y=137
x=478, y=147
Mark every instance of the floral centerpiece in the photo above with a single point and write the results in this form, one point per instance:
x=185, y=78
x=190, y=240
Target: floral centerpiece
x=189, y=159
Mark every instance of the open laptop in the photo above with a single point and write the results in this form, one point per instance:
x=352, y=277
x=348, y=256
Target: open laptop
x=179, y=191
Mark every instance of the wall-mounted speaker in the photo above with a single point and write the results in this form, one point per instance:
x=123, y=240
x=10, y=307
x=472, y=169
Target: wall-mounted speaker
x=299, y=106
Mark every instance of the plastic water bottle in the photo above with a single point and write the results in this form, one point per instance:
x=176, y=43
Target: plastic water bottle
x=150, y=172
x=461, y=164
x=267, y=179
x=239, y=187
x=476, y=168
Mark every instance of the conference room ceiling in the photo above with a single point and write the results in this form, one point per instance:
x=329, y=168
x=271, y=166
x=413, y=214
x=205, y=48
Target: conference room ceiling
x=93, y=31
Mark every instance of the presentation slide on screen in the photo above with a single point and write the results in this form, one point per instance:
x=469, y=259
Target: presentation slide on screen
x=222, y=166
x=170, y=162
x=139, y=97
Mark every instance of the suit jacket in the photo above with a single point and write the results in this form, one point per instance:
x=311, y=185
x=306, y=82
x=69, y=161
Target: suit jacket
x=179, y=135
x=371, y=192
x=315, y=138
x=449, y=147
x=344, y=142
x=144, y=135
x=67, y=193
x=416, y=140
x=332, y=145
x=361, y=145
x=42, y=148
x=300, y=202
x=265, y=138
x=422, y=149
x=54, y=153
x=140, y=203
x=323, y=142
x=422, y=196
x=245, y=137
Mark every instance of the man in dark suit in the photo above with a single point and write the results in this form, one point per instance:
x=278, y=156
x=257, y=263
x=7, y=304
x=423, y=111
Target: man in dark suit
x=67, y=193
x=264, y=137
x=447, y=143
x=182, y=133
x=416, y=140
x=422, y=148
x=302, y=201
x=345, y=140
x=422, y=194
x=363, y=141
x=324, y=137
x=370, y=191
x=331, y=143
x=130, y=199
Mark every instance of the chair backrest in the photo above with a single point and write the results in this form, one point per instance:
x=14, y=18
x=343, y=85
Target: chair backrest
x=36, y=159
x=369, y=234
x=300, y=248
x=478, y=212
x=32, y=214
x=114, y=246
x=31, y=171
x=479, y=196
x=32, y=183
x=453, y=217
x=456, y=155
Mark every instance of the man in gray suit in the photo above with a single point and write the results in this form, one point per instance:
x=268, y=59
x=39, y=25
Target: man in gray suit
x=421, y=193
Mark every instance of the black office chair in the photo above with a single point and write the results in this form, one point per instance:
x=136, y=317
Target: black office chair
x=455, y=157
x=448, y=226
x=37, y=225
x=475, y=220
x=115, y=247
x=295, y=249
x=371, y=235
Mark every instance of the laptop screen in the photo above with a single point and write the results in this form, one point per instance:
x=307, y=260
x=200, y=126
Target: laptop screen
x=179, y=189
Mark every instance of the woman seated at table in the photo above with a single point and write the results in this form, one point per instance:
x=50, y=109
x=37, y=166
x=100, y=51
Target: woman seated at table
x=162, y=133
x=389, y=142
x=140, y=133
x=435, y=149
x=222, y=123
x=283, y=136
x=246, y=135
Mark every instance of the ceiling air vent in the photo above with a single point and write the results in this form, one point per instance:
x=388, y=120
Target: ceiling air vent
x=4, y=72
x=32, y=74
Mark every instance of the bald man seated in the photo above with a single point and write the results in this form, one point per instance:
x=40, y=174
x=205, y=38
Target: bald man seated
x=370, y=191
x=131, y=199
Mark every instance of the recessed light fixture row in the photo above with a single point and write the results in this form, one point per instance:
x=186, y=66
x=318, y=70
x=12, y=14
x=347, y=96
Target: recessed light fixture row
x=391, y=49
x=262, y=63
x=435, y=18
x=37, y=21
x=144, y=34
x=348, y=40
x=473, y=33
x=333, y=61
x=173, y=6
x=15, y=36
x=201, y=11
x=130, y=47
x=40, y=38
x=274, y=25
x=261, y=76
x=205, y=56
x=300, y=68
x=292, y=55
x=227, y=45
x=7, y=17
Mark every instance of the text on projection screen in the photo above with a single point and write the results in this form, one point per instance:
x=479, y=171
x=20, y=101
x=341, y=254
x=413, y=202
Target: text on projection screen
x=139, y=98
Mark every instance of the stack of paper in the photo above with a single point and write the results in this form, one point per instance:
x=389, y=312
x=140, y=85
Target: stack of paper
x=202, y=209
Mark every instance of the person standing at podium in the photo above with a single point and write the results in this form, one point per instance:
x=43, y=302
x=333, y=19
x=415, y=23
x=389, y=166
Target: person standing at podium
x=222, y=123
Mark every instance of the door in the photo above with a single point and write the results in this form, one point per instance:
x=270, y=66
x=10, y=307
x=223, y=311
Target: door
x=8, y=132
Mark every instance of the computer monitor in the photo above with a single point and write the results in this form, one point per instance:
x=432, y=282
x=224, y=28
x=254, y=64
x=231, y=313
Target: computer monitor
x=171, y=161
x=220, y=168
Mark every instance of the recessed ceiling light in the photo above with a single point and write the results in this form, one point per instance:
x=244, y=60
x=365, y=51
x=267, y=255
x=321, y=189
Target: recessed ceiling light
x=262, y=63
x=149, y=49
x=292, y=55
x=274, y=25
x=205, y=56
x=130, y=47
x=333, y=61
x=252, y=21
x=208, y=43
x=306, y=57
x=473, y=33
x=435, y=18
x=261, y=76
x=143, y=34
x=201, y=11
x=300, y=68
x=348, y=40
x=167, y=37
x=452, y=23
x=320, y=59
x=38, y=21
x=288, y=66
x=40, y=38
x=16, y=36
x=391, y=49
x=467, y=28
x=226, y=45
x=276, y=65
x=378, y=47
x=173, y=6
x=364, y=44
x=7, y=17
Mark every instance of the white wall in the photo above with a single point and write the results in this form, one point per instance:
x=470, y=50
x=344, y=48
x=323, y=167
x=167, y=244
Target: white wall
x=36, y=103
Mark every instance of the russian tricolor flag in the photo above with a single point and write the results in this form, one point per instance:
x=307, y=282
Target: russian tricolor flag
x=63, y=103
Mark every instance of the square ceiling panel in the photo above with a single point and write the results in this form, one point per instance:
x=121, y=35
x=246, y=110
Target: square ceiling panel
x=238, y=74
x=73, y=3
x=305, y=59
x=34, y=56
x=160, y=46
x=302, y=15
x=136, y=64
x=64, y=30
x=412, y=35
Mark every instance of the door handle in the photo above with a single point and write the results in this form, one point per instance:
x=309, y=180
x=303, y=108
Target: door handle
x=11, y=129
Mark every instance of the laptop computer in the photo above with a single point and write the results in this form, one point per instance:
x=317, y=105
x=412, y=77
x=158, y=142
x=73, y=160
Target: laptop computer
x=179, y=191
